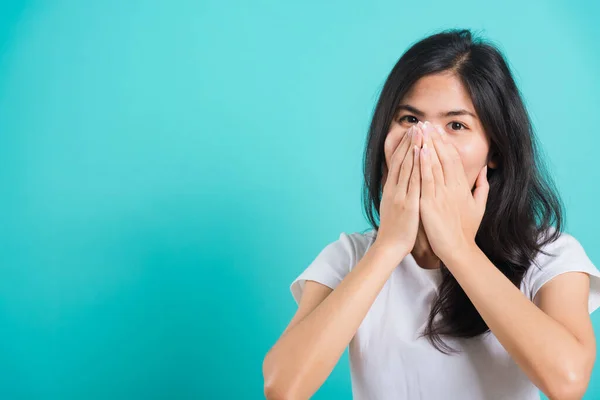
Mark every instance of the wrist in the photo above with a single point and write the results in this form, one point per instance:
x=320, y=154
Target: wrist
x=391, y=253
x=460, y=252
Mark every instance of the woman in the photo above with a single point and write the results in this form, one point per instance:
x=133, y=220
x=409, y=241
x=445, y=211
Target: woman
x=468, y=288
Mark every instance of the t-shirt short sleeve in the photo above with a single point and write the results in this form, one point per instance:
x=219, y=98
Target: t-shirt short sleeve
x=566, y=255
x=330, y=266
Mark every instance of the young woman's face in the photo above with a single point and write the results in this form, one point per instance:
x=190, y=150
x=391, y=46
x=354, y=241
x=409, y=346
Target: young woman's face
x=431, y=98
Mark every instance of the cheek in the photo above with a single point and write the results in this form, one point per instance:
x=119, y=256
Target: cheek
x=473, y=157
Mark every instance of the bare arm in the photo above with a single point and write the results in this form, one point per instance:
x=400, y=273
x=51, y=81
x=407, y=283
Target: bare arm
x=304, y=356
x=554, y=343
x=306, y=353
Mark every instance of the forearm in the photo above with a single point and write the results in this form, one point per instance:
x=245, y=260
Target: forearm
x=305, y=355
x=543, y=348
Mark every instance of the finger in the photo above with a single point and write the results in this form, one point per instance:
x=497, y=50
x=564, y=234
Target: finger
x=427, y=183
x=430, y=135
x=398, y=158
x=418, y=138
x=450, y=160
x=405, y=171
x=482, y=188
x=392, y=161
x=393, y=141
x=414, y=186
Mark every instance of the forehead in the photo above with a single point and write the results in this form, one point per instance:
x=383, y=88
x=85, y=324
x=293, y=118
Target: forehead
x=439, y=92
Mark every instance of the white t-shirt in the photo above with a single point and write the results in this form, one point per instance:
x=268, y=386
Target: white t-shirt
x=388, y=361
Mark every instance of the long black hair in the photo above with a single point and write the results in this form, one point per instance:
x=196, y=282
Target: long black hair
x=523, y=204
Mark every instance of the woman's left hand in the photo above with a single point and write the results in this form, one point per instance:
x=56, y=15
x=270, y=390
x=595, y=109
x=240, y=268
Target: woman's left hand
x=450, y=213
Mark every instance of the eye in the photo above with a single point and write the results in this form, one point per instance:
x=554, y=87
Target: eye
x=457, y=125
x=409, y=118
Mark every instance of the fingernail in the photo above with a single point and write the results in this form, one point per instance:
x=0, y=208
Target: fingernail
x=410, y=132
x=425, y=132
x=425, y=149
x=440, y=130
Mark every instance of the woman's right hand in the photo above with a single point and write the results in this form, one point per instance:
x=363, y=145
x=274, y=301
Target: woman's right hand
x=399, y=208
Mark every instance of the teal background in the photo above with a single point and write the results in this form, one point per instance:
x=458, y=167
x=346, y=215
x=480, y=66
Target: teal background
x=168, y=168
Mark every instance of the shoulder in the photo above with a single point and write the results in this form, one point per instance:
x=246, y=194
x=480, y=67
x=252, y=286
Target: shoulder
x=349, y=247
x=565, y=254
x=566, y=249
x=334, y=261
x=360, y=241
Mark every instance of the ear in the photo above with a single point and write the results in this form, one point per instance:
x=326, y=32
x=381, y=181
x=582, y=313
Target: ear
x=493, y=161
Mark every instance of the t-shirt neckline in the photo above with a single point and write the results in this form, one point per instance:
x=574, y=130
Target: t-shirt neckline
x=434, y=272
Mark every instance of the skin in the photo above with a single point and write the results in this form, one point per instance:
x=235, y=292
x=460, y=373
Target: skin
x=551, y=338
x=429, y=100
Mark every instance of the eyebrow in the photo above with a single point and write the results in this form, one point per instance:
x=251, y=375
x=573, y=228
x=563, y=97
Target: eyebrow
x=450, y=113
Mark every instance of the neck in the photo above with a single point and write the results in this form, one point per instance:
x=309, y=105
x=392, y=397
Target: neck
x=422, y=252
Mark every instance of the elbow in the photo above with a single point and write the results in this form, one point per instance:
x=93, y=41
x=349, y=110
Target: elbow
x=570, y=385
x=273, y=392
x=573, y=389
x=274, y=388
